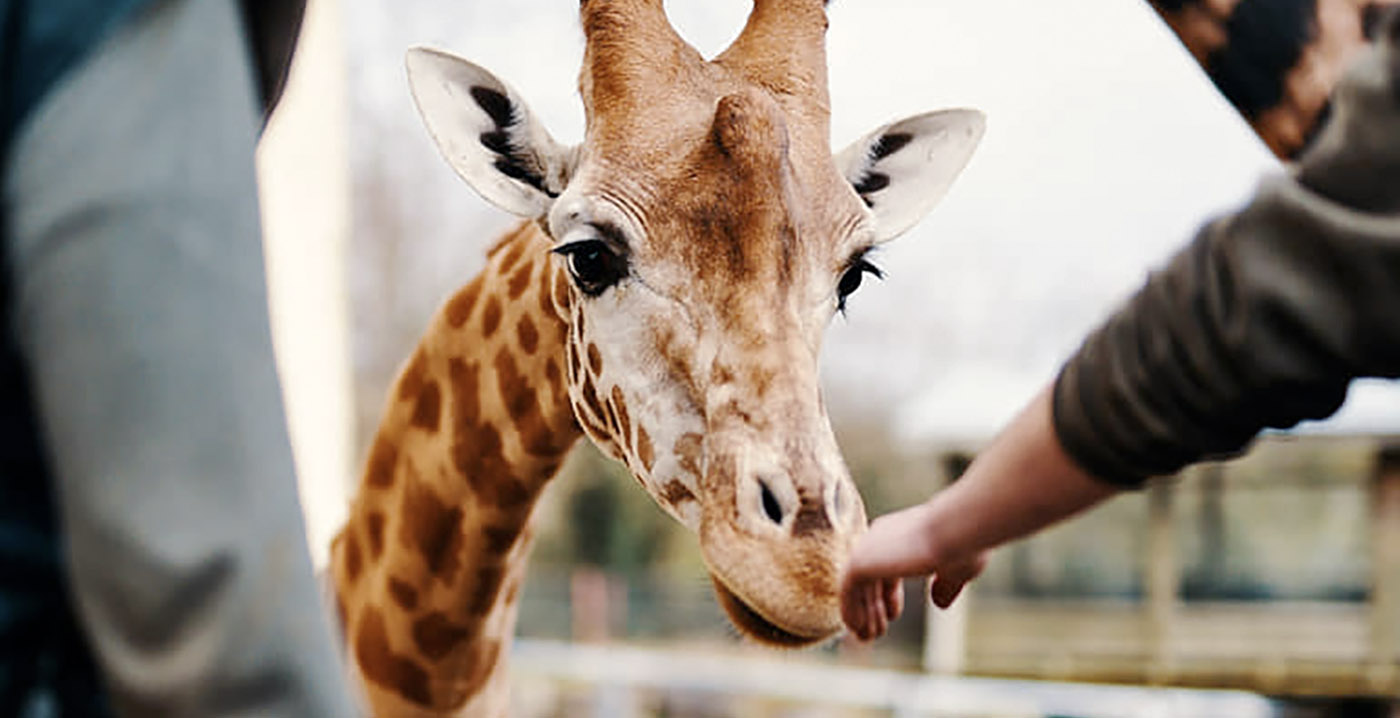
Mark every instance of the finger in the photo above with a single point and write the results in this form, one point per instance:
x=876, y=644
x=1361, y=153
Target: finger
x=894, y=598
x=946, y=587
x=945, y=590
x=853, y=608
x=948, y=584
x=862, y=610
x=882, y=625
x=848, y=605
x=873, y=611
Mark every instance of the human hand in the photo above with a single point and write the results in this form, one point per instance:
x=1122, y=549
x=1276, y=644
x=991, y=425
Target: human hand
x=1023, y=482
x=897, y=546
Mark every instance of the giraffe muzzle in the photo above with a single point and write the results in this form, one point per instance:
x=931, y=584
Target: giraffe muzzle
x=775, y=536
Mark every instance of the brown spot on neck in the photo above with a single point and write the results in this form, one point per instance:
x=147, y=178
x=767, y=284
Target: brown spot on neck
x=411, y=379
x=513, y=246
x=383, y=458
x=500, y=539
x=405, y=595
x=478, y=453
x=427, y=408
x=354, y=560
x=466, y=397
x=380, y=665
x=527, y=335
x=488, y=585
x=516, y=393
x=436, y=636
x=491, y=317
x=520, y=280
x=374, y=529
x=432, y=528
x=459, y=309
x=523, y=404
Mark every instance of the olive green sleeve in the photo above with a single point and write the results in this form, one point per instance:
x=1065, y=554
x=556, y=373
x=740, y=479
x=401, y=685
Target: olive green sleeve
x=1266, y=317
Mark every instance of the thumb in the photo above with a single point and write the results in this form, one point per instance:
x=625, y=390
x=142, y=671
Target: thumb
x=949, y=581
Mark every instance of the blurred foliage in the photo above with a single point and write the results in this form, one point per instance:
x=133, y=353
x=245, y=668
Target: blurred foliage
x=890, y=476
x=600, y=517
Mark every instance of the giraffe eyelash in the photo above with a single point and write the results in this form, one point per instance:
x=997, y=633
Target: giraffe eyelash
x=855, y=271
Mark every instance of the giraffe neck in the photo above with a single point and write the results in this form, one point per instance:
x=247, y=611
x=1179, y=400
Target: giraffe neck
x=429, y=565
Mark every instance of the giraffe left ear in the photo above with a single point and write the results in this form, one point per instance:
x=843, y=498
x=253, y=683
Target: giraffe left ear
x=488, y=134
x=903, y=169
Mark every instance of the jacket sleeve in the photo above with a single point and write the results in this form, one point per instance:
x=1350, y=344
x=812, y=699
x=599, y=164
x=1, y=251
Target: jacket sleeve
x=1266, y=317
x=272, y=27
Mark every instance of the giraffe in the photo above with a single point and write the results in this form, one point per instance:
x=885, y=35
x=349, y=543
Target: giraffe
x=665, y=296
x=1276, y=61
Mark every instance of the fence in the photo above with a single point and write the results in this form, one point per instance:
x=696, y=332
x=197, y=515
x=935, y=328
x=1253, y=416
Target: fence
x=1334, y=637
x=630, y=682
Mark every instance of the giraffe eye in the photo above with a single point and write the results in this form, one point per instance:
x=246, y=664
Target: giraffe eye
x=851, y=278
x=593, y=265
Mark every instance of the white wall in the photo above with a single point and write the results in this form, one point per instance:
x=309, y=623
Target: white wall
x=304, y=181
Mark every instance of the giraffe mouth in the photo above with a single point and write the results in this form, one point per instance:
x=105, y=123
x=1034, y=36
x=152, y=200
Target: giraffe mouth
x=755, y=626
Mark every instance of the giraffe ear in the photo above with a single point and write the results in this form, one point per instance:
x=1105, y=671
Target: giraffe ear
x=487, y=133
x=901, y=170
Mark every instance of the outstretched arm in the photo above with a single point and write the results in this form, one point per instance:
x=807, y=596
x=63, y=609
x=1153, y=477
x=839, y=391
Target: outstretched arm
x=1022, y=483
x=1262, y=321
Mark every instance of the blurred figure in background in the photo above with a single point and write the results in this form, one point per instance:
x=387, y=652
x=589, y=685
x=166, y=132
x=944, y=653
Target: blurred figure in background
x=152, y=552
x=1262, y=321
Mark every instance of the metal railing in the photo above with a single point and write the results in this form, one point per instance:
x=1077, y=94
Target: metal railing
x=616, y=675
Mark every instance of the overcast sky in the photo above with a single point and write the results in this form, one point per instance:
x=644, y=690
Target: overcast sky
x=1105, y=148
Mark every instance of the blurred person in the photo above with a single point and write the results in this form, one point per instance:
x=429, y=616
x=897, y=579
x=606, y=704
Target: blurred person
x=1262, y=321
x=152, y=551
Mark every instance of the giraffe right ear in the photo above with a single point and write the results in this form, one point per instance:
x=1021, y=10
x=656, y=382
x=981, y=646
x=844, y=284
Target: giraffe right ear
x=902, y=169
x=487, y=133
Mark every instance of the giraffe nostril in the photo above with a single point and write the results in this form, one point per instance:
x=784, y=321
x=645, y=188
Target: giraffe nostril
x=771, y=507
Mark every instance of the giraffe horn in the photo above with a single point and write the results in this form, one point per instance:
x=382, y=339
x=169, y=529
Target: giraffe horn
x=628, y=44
x=783, y=48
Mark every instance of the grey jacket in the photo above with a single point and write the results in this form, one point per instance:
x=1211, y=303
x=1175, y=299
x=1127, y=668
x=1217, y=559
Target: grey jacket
x=1266, y=317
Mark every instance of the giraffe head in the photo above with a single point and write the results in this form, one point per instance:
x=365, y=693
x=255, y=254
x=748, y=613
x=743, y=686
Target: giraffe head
x=705, y=236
